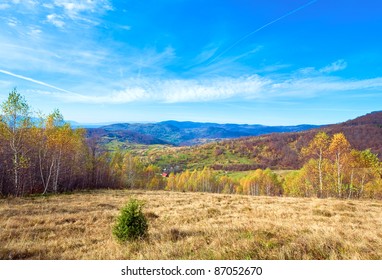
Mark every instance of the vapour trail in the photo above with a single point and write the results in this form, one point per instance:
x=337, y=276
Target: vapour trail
x=33, y=81
x=262, y=27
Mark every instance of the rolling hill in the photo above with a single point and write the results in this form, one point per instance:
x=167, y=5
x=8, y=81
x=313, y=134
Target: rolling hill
x=183, y=133
x=275, y=150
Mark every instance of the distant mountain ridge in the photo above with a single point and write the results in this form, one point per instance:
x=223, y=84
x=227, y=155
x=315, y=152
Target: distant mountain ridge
x=184, y=133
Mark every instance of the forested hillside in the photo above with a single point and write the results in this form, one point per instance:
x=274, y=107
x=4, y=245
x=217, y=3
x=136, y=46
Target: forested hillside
x=276, y=151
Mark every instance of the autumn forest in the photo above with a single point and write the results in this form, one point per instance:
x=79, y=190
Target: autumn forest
x=44, y=154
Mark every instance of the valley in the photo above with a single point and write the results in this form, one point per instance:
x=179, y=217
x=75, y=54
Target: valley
x=277, y=150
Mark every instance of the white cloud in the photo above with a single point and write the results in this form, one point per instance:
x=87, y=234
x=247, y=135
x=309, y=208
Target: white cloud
x=334, y=67
x=56, y=20
x=174, y=91
x=48, y=5
x=34, y=32
x=4, y=6
x=73, y=8
x=127, y=95
x=206, y=54
x=124, y=27
x=151, y=57
x=315, y=86
x=61, y=12
x=217, y=89
x=12, y=22
x=28, y=4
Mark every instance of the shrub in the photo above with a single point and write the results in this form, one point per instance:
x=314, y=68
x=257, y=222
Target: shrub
x=131, y=224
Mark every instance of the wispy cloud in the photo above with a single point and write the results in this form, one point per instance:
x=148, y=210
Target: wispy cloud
x=73, y=8
x=12, y=22
x=334, y=67
x=224, y=88
x=237, y=42
x=33, y=81
x=34, y=32
x=128, y=95
x=316, y=86
x=61, y=13
x=19, y=5
x=4, y=6
x=82, y=10
x=175, y=91
x=205, y=55
x=148, y=61
x=124, y=27
x=56, y=20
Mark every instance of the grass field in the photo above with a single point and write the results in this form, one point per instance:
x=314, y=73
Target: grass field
x=191, y=226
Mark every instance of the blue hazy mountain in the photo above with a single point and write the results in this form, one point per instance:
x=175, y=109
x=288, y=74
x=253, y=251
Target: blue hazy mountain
x=187, y=132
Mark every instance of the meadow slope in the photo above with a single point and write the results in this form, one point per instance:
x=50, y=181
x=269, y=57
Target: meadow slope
x=191, y=226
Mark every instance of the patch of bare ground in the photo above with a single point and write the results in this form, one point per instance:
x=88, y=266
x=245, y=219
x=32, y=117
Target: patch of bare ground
x=191, y=226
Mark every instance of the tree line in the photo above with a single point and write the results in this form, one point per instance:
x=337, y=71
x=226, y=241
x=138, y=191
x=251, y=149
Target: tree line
x=332, y=169
x=45, y=155
x=259, y=182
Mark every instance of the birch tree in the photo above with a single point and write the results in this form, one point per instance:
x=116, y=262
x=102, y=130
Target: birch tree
x=318, y=148
x=339, y=148
x=15, y=123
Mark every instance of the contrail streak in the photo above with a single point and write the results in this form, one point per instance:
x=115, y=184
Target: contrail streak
x=34, y=81
x=262, y=27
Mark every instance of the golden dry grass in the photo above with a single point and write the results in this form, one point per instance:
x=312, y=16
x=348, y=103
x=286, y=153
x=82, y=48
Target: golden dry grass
x=191, y=226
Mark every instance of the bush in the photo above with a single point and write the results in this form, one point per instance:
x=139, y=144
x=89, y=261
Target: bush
x=131, y=224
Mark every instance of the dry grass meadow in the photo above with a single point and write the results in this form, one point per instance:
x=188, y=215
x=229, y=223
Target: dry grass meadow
x=191, y=226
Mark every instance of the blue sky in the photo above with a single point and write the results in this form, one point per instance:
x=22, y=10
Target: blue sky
x=272, y=62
